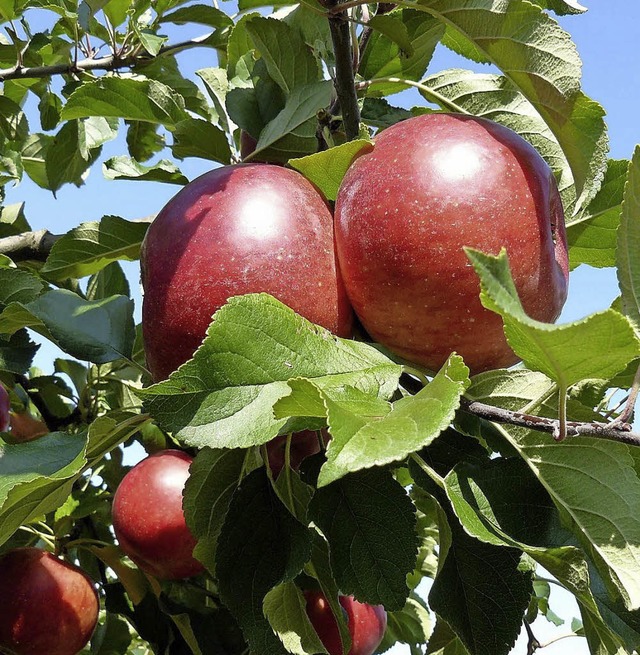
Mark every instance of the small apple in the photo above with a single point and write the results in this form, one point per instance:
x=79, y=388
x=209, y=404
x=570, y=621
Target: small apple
x=47, y=606
x=5, y=406
x=238, y=229
x=303, y=444
x=432, y=185
x=25, y=427
x=366, y=623
x=148, y=519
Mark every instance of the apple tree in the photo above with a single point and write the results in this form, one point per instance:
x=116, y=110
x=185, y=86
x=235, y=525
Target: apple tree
x=333, y=475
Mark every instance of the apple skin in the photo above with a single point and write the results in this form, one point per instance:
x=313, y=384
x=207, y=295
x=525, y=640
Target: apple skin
x=367, y=623
x=239, y=229
x=24, y=427
x=303, y=444
x=5, y=406
x=148, y=519
x=47, y=606
x=431, y=185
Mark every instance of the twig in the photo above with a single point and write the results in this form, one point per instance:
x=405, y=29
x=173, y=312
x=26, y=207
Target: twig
x=109, y=63
x=627, y=412
x=29, y=245
x=532, y=644
x=609, y=431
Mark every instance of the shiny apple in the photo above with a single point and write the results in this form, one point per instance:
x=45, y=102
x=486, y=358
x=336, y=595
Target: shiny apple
x=5, y=406
x=237, y=229
x=148, y=519
x=366, y=623
x=47, y=606
x=432, y=185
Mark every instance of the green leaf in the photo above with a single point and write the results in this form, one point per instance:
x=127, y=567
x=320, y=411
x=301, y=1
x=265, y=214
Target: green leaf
x=18, y=286
x=561, y=7
x=97, y=331
x=143, y=140
x=629, y=244
x=356, y=515
x=128, y=98
x=377, y=112
x=214, y=477
x=367, y=431
x=592, y=482
x=36, y=477
x=14, y=126
x=199, y=14
x=598, y=346
x=392, y=53
x=290, y=63
x=327, y=168
x=13, y=220
x=411, y=625
x=592, y=235
x=541, y=60
x=445, y=642
x=197, y=138
x=17, y=352
x=224, y=396
x=110, y=281
x=293, y=131
x=125, y=168
x=260, y=546
x=285, y=609
x=90, y=247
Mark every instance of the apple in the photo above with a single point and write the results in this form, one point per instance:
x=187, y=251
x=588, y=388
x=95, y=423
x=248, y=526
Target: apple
x=47, y=606
x=25, y=427
x=5, y=406
x=366, y=623
x=432, y=185
x=237, y=229
x=303, y=444
x=148, y=519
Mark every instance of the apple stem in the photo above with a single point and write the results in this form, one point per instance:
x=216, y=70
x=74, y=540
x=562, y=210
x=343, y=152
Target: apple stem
x=627, y=412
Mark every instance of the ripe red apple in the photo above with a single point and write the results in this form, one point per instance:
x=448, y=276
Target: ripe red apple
x=237, y=229
x=366, y=623
x=47, y=606
x=25, y=427
x=148, y=519
x=431, y=185
x=303, y=444
x=5, y=406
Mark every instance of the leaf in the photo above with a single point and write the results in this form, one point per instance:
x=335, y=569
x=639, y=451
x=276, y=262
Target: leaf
x=404, y=51
x=224, y=396
x=90, y=247
x=357, y=514
x=598, y=346
x=110, y=281
x=561, y=7
x=411, y=625
x=125, y=168
x=327, y=168
x=629, y=244
x=285, y=609
x=197, y=138
x=36, y=477
x=200, y=14
x=293, y=131
x=18, y=286
x=260, y=546
x=214, y=477
x=128, y=98
x=97, y=331
x=13, y=220
x=143, y=140
x=541, y=60
x=290, y=63
x=445, y=642
x=377, y=112
x=592, y=482
x=17, y=352
x=592, y=235
x=367, y=432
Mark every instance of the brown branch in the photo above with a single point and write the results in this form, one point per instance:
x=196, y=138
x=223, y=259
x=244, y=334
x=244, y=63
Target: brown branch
x=108, y=63
x=609, y=431
x=29, y=245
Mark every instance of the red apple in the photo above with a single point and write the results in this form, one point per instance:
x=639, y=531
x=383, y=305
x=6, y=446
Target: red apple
x=303, y=445
x=47, y=606
x=148, y=519
x=5, y=406
x=235, y=230
x=366, y=623
x=432, y=185
x=25, y=427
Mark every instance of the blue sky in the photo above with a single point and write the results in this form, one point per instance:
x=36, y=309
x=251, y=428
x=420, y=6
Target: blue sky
x=607, y=38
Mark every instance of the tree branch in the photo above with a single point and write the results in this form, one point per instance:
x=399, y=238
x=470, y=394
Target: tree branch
x=29, y=245
x=108, y=63
x=345, y=76
x=609, y=431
